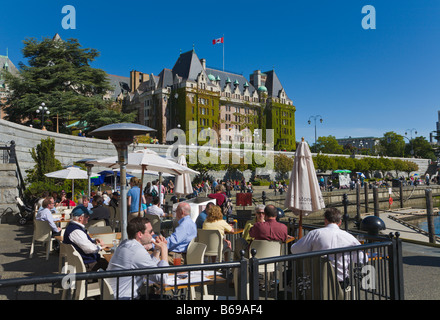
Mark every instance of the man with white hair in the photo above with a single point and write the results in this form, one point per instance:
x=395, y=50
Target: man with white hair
x=76, y=235
x=186, y=230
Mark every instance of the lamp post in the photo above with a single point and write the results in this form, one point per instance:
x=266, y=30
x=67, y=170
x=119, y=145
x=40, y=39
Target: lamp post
x=89, y=167
x=411, y=140
x=43, y=109
x=122, y=135
x=314, y=118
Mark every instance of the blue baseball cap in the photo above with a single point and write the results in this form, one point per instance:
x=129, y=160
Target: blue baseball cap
x=80, y=210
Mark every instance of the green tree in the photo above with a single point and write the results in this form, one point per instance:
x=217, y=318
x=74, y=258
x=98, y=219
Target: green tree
x=282, y=165
x=422, y=148
x=59, y=74
x=44, y=157
x=391, y=145
x=329, y=145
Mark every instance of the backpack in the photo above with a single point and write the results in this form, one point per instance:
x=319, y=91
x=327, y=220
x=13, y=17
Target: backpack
x=154, y=193
x=226, y=206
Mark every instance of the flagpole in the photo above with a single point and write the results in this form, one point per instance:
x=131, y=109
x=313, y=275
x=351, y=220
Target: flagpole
x=223, y=53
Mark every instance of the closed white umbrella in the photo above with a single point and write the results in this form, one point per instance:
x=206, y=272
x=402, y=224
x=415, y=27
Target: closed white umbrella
x=303, y=194
x=71, y=173
x=183, y=182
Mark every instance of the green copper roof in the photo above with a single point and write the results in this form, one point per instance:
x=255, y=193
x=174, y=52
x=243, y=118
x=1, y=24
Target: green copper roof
x=262, y=88
x=211, y=77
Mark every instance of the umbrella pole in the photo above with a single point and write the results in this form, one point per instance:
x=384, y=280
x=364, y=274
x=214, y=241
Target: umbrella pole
x=140, y=191
x=300, y=226
x=160, y=187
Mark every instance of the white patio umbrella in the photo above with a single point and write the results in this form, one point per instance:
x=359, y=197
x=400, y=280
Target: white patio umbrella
x=303, y=194
x=71, y=173
x=145, y=160
x=183, y=182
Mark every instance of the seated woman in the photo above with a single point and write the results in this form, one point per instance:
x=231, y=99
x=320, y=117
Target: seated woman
x=214, y=221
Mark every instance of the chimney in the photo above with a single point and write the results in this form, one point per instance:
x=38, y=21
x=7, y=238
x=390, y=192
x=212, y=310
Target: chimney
x=203, y=62
x=255, y=78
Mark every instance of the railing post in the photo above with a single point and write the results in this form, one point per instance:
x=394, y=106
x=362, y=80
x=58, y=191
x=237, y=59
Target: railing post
x=429, y=213
x=401, y=193
x=376, y=200
x=243, y=279
x=253, y=276
x=358, y=204
x=345, y=203
x=396, y=268
x=366, y=197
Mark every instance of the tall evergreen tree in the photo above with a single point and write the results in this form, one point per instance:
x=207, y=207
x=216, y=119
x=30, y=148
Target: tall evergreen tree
x=59, y=74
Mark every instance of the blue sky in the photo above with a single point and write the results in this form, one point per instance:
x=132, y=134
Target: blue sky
x=362, y=82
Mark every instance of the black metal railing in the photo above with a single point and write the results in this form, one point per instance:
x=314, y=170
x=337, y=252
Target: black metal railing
x=372, y=271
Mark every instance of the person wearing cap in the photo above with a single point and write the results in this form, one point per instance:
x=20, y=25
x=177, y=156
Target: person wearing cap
x=76, y=235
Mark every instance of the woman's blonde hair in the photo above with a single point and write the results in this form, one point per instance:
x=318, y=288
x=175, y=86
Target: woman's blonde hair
x=214, y=214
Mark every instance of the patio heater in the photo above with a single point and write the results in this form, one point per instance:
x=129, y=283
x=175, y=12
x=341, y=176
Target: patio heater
x=121, y=135
x=89, y=167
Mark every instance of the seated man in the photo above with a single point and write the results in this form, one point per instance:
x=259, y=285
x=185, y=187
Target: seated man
x=202, y=216
x=85, y=201
x=132, y=254
x=99, y=212
x=76, y=235
x=45, y=214
x=270, y=229
x=155, y=208
x=183, y=234
x=330, y=237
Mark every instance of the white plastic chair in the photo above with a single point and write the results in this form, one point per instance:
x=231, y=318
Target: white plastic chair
x=106, y=238
x=214, y=242
x=266, y=249
x=95, y=223
x=75, y=260
x=66, y=250
x=106, y=288
x=104, y=229
x=155, y=222
x=195, y=254
x=42, y=233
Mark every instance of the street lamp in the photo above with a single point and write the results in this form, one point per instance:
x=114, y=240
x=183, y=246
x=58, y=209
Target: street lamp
x=43, y=109
x=411, y=141
x=314, y=118
x=122, y=135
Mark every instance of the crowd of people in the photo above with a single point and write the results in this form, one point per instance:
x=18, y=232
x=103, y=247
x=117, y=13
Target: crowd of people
x=145, y=249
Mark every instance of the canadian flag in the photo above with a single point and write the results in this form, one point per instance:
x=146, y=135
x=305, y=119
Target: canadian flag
x=219, y=40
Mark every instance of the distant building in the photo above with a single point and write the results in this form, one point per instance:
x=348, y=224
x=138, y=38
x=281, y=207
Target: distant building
x=213, y=98
x=360, y=145
x=435, y=135
x=7, y=65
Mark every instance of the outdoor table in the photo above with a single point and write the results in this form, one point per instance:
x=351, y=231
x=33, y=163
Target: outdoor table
x=177, y=283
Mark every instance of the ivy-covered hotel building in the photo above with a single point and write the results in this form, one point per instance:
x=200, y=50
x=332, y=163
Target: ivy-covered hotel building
x=216, y=100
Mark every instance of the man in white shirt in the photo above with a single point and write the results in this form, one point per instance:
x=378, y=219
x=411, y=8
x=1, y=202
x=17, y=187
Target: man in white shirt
x=45, y=214
x=331, y=237
x=132, y=254
x=155, y=208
